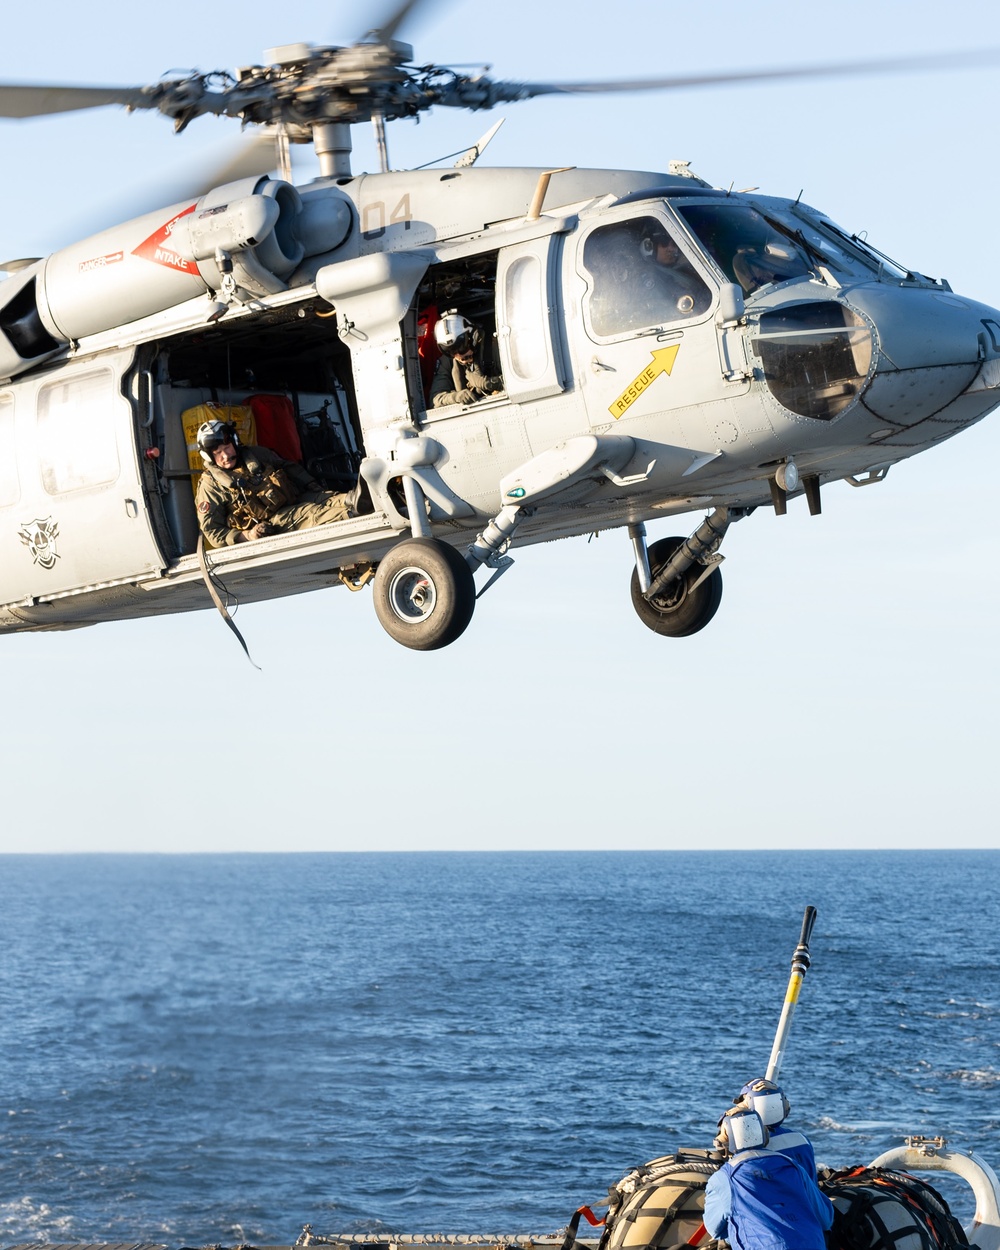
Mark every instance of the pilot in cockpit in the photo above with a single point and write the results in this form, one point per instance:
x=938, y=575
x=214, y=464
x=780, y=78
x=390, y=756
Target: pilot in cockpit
x=668, y=278
x=640, y=277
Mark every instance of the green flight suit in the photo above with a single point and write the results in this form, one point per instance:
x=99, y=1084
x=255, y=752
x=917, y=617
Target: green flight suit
x=230, y=502
x=455, y=382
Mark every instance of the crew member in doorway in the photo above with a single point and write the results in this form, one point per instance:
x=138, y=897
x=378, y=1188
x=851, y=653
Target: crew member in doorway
x=770, y=1103
x=460, y=377
x=250, y=492
x=761, y=1199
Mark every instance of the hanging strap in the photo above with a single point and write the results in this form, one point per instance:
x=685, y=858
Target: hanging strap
x=569, y=1241
x=207, y=578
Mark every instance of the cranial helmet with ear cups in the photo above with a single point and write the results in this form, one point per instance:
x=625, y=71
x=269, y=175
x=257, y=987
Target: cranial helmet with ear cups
x=741, y=1129
x=766, y=1098
x=215, y=434
x=454, y=333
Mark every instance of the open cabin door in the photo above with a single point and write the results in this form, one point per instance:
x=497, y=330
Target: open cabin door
x=73, y=510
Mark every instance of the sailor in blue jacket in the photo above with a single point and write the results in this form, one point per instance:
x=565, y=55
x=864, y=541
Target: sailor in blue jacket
x=761, y=1199
x=770, y=1103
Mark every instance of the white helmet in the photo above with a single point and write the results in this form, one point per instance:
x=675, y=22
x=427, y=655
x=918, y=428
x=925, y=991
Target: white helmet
x=215, y=434
x=454, y=333
x=741, y=1129
x=766, y=1098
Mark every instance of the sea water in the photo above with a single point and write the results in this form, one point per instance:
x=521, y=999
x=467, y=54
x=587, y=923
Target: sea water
x=221, y=1048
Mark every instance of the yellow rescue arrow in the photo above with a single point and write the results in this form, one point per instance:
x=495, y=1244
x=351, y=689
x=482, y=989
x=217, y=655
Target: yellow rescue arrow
x=663, y=362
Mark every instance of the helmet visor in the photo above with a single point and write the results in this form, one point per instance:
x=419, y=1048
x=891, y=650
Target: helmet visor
x=460, y=346
x=216, y=434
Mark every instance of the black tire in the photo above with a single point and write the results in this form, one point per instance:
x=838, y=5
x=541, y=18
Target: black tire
x=424, y=594
x=681, y=611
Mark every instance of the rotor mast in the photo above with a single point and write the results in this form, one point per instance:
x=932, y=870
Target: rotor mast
x=332, y=143
x=378, y=123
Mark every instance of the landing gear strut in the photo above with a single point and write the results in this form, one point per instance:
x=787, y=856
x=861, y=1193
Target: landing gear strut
x=676, y=584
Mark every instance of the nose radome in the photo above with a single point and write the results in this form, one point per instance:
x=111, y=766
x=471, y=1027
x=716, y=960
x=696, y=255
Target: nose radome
x=931, y=348
x=918, y=328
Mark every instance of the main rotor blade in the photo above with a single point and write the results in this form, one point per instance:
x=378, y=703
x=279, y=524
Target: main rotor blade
x=228, y=162
x=387, y=28
x=255, y=154
x=21, y=100
x=937, y=61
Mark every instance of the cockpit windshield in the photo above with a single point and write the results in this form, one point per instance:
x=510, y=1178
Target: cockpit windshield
x=749, y=248
x=870, y=255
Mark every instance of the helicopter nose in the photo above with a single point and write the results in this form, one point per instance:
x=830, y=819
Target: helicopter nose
x=922, y=361
x=931, y=348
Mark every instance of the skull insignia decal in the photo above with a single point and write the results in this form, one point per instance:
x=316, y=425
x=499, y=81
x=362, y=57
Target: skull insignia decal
x=40, y=538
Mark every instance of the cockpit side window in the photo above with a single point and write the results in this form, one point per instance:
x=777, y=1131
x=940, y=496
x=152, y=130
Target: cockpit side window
x=640, y=278
x=748, y=248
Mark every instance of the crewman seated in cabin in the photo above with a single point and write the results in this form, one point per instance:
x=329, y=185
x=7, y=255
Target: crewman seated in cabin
x=460, y=376
x=761, y=1199
x=770, y=1103
x=251, y=492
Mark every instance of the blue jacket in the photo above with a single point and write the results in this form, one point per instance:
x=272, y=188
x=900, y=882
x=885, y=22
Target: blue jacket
x=796, y=1145
x=763, y=1200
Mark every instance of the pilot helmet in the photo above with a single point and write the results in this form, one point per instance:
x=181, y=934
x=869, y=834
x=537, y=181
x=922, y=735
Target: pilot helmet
x=454, y=333
x=766, y=1098
x=654, y=236
x=741, y=1129
x=215, y=434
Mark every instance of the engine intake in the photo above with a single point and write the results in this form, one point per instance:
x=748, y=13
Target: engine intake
x=150, y=264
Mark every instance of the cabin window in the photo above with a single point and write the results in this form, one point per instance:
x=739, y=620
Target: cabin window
x=527, y=317
x=10, y=489
x=77, y=447
x=467, y=286
x=640, y=278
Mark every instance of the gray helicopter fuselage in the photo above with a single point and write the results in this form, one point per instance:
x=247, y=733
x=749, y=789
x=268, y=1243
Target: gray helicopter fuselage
x=663, y=347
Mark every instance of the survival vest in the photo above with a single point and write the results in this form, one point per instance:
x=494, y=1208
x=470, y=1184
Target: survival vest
x=257, y=496
x=876, y=1209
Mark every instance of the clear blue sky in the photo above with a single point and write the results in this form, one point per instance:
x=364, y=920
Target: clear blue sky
x=845, y=694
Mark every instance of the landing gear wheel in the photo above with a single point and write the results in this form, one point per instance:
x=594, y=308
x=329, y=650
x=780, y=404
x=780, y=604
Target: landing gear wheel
x=679, y=611
x=424, y=594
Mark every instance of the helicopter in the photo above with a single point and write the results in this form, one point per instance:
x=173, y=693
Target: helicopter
x=773, y=354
